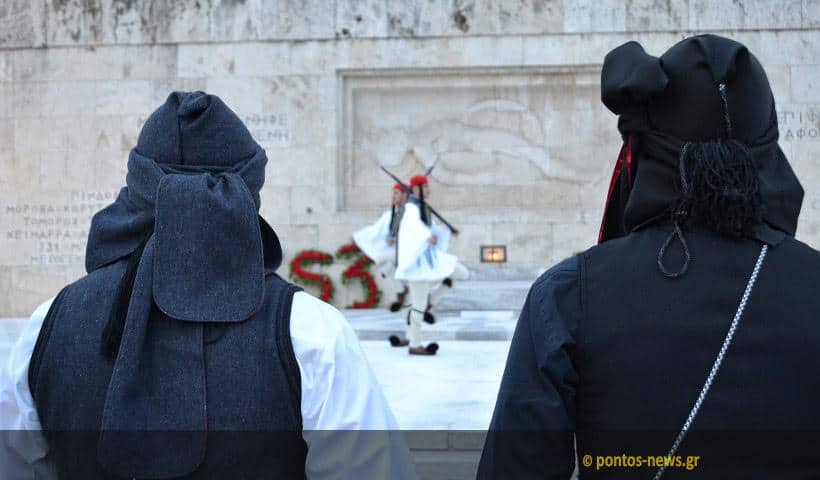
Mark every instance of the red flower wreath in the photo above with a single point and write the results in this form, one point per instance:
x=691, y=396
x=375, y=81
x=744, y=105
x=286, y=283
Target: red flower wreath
x=360, y=270
x=300, y=275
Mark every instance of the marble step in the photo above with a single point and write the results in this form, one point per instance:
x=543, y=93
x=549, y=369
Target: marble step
x=502, y=273
x=497, y=325
x=485, y=295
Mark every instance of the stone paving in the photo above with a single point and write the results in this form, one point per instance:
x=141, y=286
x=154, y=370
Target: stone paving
x=454, y=390
x=494, y=294
x=467, y=325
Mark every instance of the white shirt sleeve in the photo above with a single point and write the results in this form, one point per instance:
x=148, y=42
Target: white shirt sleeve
x=22, y=445
x=347, y=423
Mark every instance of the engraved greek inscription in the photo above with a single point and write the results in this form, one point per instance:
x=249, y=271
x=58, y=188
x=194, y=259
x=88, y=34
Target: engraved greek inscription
x=803, y=124
x=52, y=233
x=270, y=130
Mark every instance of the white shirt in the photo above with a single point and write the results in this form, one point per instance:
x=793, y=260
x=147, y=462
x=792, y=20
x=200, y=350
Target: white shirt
x=342, y=403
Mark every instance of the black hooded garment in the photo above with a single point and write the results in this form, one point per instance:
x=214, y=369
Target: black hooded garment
x=172, y=357
x=613, y=346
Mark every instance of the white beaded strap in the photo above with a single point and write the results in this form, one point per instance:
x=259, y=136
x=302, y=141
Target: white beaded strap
x=726, y=342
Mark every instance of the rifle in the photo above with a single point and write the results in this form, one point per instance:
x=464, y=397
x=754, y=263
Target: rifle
x=409, y=191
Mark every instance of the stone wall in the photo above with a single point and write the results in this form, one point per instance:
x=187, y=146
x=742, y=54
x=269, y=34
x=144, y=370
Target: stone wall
x=502, y=95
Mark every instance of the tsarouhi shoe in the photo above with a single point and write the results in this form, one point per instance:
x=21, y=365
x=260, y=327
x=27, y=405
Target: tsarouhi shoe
x=430, y=349
x=398, y=342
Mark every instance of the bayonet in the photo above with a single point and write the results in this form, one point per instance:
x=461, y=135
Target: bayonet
x=430, y=170
x=409, y=190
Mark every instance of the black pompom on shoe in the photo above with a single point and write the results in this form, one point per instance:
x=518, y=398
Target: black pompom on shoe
x=432, y=348
x=398, y=342
x=396, y=306
x=448, y=282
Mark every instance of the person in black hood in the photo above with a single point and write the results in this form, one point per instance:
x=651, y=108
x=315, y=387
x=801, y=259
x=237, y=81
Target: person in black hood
x=685, y=344
x=182, y=353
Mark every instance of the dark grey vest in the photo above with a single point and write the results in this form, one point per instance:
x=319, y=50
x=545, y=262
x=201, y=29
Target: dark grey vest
x=253, y=424
x=645, y=345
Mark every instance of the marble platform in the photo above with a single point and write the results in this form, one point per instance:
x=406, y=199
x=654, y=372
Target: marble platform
x=467, y=325
x=485, y=295
x=453, y=390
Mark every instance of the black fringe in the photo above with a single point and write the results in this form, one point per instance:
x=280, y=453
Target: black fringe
x=721, y=188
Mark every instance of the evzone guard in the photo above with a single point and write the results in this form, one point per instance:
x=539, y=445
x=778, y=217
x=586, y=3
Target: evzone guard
x=423, y=262
x=378, y=241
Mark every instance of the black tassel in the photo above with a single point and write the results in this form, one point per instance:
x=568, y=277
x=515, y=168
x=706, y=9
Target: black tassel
x=720, y=189
x=113, y=331
x=423, y=206
x=725, y=188
x=392, y=217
